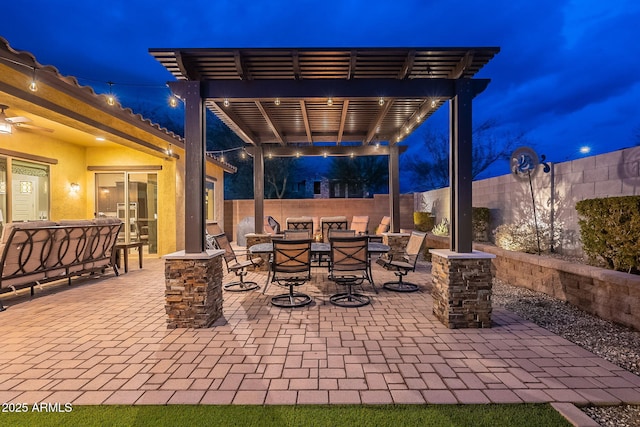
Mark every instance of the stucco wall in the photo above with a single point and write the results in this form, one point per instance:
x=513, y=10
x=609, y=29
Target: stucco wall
x=375, y=208
x=606, y=175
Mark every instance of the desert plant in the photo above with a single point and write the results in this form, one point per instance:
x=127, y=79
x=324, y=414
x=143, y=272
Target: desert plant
x=521, y=236
x=442, y=229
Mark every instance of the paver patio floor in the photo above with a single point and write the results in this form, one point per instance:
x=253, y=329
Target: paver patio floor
x=105, y=341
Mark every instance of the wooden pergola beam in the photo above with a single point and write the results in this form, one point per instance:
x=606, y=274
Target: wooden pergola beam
x=305, y=119
x=343, y=119
x=267, y=118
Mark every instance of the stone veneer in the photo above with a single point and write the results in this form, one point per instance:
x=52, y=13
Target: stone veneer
x=193, y=289
x=397, y=243
x=462, y=284
x=256, y=239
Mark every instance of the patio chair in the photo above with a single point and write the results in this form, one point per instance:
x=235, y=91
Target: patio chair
x=291, y=267
x=297, y=234
x=349, y=266
x=239, y=268
x=360, y=224
x=383, y=227
x=401, y=267
x=300, y=223
x=332, y=223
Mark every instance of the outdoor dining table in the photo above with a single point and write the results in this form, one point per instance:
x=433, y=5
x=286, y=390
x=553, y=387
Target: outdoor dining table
x=320, y=248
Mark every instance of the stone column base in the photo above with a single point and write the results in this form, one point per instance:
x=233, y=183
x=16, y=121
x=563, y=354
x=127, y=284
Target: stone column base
x=462, y=284
x=193, y=289
x=256, y=239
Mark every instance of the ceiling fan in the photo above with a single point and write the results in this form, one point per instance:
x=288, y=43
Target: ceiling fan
x=19, y=122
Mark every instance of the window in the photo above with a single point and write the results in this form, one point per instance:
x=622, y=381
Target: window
x=316, y=187
x=24, y=190
x=209, y=200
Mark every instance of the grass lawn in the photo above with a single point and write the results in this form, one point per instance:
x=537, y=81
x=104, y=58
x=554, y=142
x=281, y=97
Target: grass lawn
x=521, y=415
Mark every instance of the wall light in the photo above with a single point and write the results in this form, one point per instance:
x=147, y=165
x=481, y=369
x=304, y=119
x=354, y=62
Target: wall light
x=33, y=86
x=74, y=187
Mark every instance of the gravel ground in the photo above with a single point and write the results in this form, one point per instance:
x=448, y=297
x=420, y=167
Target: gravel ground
x=615, y=343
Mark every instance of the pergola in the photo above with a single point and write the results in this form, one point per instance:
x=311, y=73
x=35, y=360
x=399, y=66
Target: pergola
x=326, y=101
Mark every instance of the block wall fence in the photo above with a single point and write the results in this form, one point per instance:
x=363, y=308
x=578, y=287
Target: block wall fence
x=605, y=175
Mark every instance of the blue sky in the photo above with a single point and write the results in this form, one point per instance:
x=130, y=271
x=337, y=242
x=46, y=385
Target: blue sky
x=568, y=73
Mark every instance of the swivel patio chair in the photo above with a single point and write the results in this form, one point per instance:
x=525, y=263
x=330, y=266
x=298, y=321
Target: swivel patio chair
x=360, y=224
x=332, y=223
x=401, y=267
x=300, y=223
x=291, y=267
x=383, y=227
x=297, y=234
x=239, y=268
x=349, y=266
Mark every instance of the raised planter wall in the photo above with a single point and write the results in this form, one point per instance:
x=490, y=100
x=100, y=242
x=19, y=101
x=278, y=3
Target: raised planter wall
x=611, y=295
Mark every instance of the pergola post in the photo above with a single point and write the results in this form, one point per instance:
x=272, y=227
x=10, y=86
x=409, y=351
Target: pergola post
x=460, y=167
x=195, y=173
x=394, y=187
x=258, y=188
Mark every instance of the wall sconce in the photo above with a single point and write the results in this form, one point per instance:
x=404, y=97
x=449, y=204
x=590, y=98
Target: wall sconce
x=74, y=187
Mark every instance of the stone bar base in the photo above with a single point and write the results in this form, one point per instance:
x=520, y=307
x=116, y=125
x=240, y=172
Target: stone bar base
x=462, y=284
x=193, y=289
x=256, y=239
x=397, y=242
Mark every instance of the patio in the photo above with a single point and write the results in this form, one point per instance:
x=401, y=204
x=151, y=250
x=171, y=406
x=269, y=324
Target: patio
x=104, y=341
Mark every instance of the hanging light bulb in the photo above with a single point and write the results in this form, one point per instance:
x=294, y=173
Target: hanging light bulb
x=169, y=151
x=433, y=103
x=173, y=101
x=270, y=155
x=33, y=86
x=381, y=102
x=330, y=102
x=243, y=154
x=277, y=101
x=111, y=100
x=324, y=154
x=226, y=102
x=222, y=158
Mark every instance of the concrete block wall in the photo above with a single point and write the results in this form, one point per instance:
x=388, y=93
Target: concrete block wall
x=605, y=175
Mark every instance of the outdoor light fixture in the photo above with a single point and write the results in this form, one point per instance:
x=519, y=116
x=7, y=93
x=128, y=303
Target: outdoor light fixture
x=33, y=86
x=585, y=149
x=169, y=151
x=5, y=126
x=270, y=155
x=433, y=103
x=297, y=154
x=173, y=101
x=381, y=102
x=324, y=154
x=277, y=101
x=100, y=138
x=74, y=187
x=111, y=100
x=222, y=159
x=330, y=102
x=226, y=102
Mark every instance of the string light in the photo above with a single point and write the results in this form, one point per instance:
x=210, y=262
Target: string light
x=111, y=100
x=173, y=101
x=226, y=102
x=330, y=102
x=381, y=102
x=33, y=86
x=277, y=101
x=433, y=103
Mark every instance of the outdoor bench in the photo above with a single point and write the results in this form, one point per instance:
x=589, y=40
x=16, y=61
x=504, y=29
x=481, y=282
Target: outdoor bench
x=36, y=252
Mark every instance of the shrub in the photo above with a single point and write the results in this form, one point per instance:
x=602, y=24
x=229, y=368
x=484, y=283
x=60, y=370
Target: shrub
x=441, y=229
x=610, y=231
x=423, y=221
x=521, y=236
x=480, y=218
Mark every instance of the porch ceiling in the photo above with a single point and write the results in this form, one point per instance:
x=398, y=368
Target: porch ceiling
x=281, y=96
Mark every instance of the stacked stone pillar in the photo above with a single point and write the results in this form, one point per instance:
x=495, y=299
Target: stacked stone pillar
x=462, y=285
x=193, y=289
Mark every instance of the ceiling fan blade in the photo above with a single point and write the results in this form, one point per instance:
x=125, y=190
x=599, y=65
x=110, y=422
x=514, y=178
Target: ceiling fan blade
x=34, y=127
x=17, y=119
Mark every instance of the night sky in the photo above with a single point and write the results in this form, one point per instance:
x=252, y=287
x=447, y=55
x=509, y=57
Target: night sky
x=568, y=73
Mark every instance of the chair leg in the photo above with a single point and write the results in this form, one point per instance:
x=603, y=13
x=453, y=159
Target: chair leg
x=400, y=285
x=291, y=299
x=349, y=298
x=241, y=285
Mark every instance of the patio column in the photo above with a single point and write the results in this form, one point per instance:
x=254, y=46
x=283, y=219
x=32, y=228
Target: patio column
x=460, y=170
x=258, y=188
x=394, y=188
x=195, y=173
